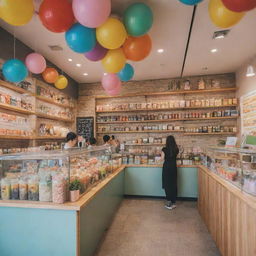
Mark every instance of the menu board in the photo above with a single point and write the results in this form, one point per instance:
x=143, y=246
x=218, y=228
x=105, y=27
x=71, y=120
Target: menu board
x=85, y=126
x=248, y=114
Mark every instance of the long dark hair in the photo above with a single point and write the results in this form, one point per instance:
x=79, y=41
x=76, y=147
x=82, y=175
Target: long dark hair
x=171, y=146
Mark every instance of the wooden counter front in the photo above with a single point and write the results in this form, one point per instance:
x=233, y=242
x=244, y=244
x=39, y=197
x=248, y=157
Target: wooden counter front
x=229, y=214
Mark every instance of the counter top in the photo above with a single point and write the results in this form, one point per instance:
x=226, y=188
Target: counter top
x=84, y=199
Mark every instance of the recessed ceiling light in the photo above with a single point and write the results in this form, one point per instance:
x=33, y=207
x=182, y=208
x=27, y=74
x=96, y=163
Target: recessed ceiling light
x=160, y=50
x=85, y=74
x=104, y=74
x=78, y=65
x=220, y=34
x=69, y=59
x=214, y=50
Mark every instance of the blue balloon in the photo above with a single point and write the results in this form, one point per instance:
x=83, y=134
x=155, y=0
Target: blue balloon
x=190, y=2
x=126, y=73
x=14, y=70
x=80, y=38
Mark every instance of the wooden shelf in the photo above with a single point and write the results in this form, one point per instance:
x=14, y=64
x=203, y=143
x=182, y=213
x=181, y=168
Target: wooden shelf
x=16, y=137
x=161, y=109
x=169, y=120
x=14, y=87
x=232, y=89
x=45, y=99
x=16, y=109
x=146, y=144
x=209, y=133
x=49, y=138
x=150, y=131
x=53, y=117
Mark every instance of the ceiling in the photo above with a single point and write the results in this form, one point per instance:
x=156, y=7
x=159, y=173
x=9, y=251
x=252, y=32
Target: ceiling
x=169, y=32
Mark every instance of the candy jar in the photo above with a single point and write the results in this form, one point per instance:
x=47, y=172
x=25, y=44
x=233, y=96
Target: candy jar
x=58, y=189
x=5, y=189
x=33, y=188
x=14, y=189
x=45, y=188
x=23, y=189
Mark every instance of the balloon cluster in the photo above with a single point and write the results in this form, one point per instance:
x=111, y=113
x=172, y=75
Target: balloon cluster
x=226, y=13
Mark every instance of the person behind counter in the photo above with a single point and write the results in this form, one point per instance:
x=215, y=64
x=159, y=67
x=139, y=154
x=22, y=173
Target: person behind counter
x=169, y=174
x=107, y=140
x=92, y=142
x=71, y=140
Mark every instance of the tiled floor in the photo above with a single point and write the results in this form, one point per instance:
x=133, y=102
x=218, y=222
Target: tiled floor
x=145, y=228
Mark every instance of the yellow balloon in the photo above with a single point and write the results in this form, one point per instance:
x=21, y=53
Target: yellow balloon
x=221, y=16
x=61, y=82
x=16, y=12
x=114, y=61
x=111, y=34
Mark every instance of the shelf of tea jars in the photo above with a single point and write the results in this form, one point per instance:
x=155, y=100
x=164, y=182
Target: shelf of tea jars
x=15, y=87
x=147, y=131
x=53, y=117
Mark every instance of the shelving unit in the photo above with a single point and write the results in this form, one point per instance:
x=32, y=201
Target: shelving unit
x=42, y=115
x=145, y=144
x=209, y=133
x=52, y=102
x=16, y=109
x=15, y=88
x=49, y=137
x=149, y=131
x=13, y=137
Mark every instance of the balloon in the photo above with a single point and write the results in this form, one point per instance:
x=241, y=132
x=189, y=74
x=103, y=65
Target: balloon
x=56, y=15
x=239, y=5
x=50, y=75
x=190, y=2
x=111, y=34
x=91, y=13
x=137, y=48
x=14, y=70
x=114, y=61
x=221, y=16
x=80, y=39
x=126, y=73
x=61, y=82
x=35, y=63
x=17, y=12
x=138, y=19
x=110, y=82
x=97, y=53
x=114, y=92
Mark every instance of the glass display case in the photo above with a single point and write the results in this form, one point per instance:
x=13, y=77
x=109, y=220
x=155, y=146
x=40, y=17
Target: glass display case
x=236, y=165
x=45, y=176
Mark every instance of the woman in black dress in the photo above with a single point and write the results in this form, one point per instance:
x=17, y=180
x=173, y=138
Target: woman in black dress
x=169, y=175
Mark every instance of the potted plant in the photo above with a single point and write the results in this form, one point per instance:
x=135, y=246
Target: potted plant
x=74, y=188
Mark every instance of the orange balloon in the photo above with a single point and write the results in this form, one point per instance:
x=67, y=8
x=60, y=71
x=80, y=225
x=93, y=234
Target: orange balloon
x=137, y=48
x=50, y=75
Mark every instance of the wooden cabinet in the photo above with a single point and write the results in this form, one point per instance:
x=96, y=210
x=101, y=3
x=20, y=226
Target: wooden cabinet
x=229, y=214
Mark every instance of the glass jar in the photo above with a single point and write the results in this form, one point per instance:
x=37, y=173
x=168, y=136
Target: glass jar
x=23, y=189
x=33, y=188
x=5, y=189
x=58, y=189
x=14, y=189
x=45, y=188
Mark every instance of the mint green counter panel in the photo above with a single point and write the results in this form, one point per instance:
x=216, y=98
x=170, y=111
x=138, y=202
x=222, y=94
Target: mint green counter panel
x=147, y=181
x=37, y=232
x=97, y=215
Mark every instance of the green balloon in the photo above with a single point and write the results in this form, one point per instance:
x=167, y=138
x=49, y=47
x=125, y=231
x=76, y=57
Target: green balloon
x=138, y=19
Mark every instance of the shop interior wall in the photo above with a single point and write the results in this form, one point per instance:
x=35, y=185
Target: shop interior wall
x=21, y=51
x=87, y=103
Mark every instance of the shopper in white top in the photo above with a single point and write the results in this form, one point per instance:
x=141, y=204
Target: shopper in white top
x=71, y=140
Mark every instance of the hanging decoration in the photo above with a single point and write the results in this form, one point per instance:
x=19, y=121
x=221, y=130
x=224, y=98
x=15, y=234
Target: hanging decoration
x=190, y=2
x=91, y=13
x=97, y=53
x=35, y=63
x=14, y=70
x=111, y=34
x=16, y=12
x=239, y=5
x=56, y=15
x=223, y=17
x=50, y=75
x=61, y=82
x=137, y=48
x=80, y=39
x=126, y=73
x=138, y=19
x=110, y=81
x=114, y=61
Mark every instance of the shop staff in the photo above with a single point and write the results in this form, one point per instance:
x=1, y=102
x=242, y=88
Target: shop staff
x=71, y=140
x=169, y=174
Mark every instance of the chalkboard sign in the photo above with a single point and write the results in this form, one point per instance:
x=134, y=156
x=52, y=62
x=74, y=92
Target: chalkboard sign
x=84, y=126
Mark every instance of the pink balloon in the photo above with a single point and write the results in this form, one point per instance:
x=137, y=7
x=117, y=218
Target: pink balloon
x=35, y=63
x=110, y=82
x=114, y=92
x=91, y=13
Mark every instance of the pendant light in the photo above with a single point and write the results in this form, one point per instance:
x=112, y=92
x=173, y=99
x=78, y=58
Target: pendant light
x=250, y=71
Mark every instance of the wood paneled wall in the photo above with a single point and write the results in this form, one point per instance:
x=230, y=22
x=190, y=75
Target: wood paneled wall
x=229, y=214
